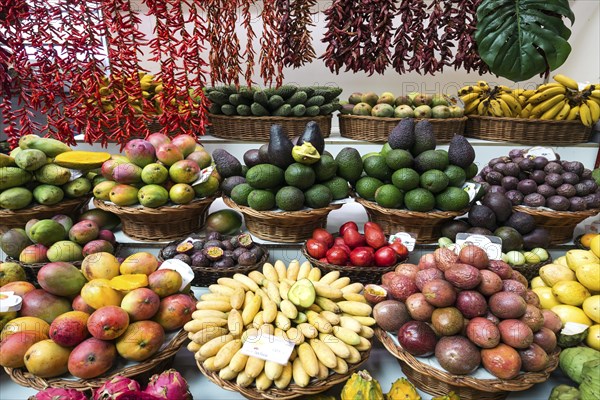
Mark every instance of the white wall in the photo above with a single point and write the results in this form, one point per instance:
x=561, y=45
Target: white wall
x=583, y=63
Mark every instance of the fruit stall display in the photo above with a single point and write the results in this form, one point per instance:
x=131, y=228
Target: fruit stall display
x=410, y=185
x=156, y=181
x=557, y=193
x=558, y=112
x=104, y=319
x=324, y=318
x=289, y=186
x=38, y=179
x=467, y=312
x=368, y=116
x=246, y=113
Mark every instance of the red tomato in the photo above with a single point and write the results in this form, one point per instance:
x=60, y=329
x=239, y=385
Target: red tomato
x=399, y=248
x=353, y=238
x=337, y=255
x=315, y=248
x=322, y=235
x=374, y=237
x=385, y=257
x=362, y=257
x=373, y=225
x=348, y=225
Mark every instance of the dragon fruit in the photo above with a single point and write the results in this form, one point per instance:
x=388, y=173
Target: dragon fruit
x=59, y=394
x=114, y=387
x=169, y=385
x=136, y=395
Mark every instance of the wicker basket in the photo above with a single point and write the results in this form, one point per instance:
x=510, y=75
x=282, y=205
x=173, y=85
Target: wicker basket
x=162, y=223
x=527, y=131
x=530, y=271
x=560, y=224
x=206, y=276
x=18, y=218
x=364, y=275
x=425, y=225
x=283, y=226
x=377, y=129
x=439, y=382
x=258, y=128
x=141, y=371
x=292, y=391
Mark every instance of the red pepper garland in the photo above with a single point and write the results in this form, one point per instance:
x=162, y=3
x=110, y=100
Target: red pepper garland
x=410, y=36
x=224, y=56
x=271, y=60
x=466, y=53
x=296, y=41
x=249, y=52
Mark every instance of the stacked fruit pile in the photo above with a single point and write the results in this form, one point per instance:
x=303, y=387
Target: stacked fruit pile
x=559, y=100
x=324, y=316
x=566, y=287
x=125, y=307
x=157, y=171
x=284, y=101
x=410, y=173
x=286, y=174
x=57, y=239
x=215, y=251
x=413, y=105
x=467, y=310
x=537, y=181
x=39, y=171
x=354, y=248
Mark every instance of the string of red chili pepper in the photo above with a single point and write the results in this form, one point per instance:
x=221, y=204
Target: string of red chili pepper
x=296, y=42
x=430, y=63
x=466, y=52
x=249, y=53
x=271, y=61
x=225, y=53
x=195, y=66
x=337, y=39
x=448, y=38
x=410, y=35
x=123, y=37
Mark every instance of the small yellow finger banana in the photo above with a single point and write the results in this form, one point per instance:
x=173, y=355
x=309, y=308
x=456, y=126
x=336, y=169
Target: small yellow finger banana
x=564, y=112
x=544, y=106
x=506, y=111
x=594, y=110
x=496, y=108
x=469, y=97
x=573, y=114
x=526, y=111
x=585, y=115
x=547, y=94
x=566, y=81
x=471, y=108
x=553, y=111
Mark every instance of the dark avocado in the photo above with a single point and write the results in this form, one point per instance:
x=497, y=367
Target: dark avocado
x=312, y=134
x=280, y=147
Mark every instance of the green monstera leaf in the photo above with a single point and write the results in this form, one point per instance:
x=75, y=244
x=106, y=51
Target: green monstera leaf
x=519, y=39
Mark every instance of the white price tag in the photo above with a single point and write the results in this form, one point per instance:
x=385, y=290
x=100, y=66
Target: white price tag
x=268, y=348
x=75, y=173
x=10, y=302
x=539, y=151
x=472, y=188
x=204, y=175
x=407, y=239
x=186, y=272
x=492, y=245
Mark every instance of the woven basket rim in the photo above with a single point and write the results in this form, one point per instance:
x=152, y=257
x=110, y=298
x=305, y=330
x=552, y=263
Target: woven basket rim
x=350, y=268
x=526, y=120
x=389, y=119
x=41, y=208
x=292, y=391
x=24, y=378
x=522, y=382
x=281, y=215
x=236, y=268
x=141, y=211
x=433, y=214
x=270, y=118
x=558, y=214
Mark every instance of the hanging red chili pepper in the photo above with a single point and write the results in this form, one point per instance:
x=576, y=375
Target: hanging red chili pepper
x=249, y=52
x=296, y=41
x=271, y=60
x=466, y=52
x=225, y=54
x=448, y=37
x=409, y=39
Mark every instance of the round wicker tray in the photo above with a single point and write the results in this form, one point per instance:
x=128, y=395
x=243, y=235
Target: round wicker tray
x=18, y=218
x=283, y=226
x=377, y=129
x=530, y=271
x=364, y=275
x=527, y=131
x=161, y=361
x=292, y=391
x=426, y=225
x=258, y=128
x=560, y=224
x=162, y=223
x=439, y=382
x=206, y=276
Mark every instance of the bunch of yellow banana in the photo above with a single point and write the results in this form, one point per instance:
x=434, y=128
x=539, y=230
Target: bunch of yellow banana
x=558, y=100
